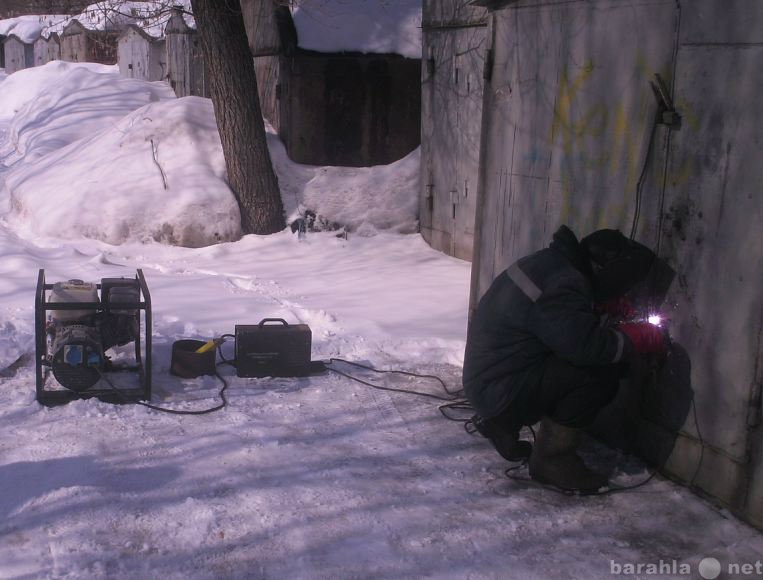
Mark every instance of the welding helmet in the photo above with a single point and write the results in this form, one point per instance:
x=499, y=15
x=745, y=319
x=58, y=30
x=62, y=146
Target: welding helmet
x=618, y=263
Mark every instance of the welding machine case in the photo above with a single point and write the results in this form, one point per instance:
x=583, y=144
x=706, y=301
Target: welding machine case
x=273, y=350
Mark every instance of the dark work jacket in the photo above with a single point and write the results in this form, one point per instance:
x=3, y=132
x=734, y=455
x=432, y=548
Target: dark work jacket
x=542, y=305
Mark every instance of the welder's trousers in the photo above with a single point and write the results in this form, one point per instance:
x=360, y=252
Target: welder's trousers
x=568, y=394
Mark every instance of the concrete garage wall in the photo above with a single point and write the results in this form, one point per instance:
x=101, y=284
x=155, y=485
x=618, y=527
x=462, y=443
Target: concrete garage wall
x=568, y=117
x=454, y=40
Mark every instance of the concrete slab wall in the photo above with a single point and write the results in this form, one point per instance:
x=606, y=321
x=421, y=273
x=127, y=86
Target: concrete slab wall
x=454, y=41
x=568, y=114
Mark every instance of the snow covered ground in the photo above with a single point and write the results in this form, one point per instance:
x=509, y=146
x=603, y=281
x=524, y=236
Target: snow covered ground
x=298, y=478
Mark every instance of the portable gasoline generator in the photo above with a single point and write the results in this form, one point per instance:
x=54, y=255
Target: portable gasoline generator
x=76, y=323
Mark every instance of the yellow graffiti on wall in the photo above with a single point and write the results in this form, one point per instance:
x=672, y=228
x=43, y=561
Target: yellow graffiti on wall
x=607, y=140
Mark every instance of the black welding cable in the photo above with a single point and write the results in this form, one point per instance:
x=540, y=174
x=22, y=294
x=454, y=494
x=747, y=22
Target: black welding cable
x=650, y=145
x=673, y=77
x=231, y=362
x=396, y=372
x=658, y=245
x=221, y=394
x=452, y=402
x=459, y=405
x=449, y=399
x=640, y=183
x=701, y=443
x=608, y=491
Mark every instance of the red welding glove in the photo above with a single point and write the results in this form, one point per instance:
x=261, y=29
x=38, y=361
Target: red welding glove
x=619, y=308
x=645, y=337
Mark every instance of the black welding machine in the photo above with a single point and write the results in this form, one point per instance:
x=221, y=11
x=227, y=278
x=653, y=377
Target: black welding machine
x=273, y=350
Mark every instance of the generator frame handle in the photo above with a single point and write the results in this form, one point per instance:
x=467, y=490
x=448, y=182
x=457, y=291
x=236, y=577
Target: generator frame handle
x=143, y=368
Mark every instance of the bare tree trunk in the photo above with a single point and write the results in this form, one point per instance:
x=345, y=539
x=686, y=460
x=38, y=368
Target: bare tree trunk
x=233, y=88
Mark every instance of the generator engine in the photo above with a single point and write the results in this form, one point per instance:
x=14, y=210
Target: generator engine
x=78, y=339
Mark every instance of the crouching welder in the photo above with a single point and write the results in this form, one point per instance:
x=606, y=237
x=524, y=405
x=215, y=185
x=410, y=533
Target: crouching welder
x=537, y=350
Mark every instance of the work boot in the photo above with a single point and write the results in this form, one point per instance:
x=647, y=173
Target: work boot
x=506, y=442
x=555, y=461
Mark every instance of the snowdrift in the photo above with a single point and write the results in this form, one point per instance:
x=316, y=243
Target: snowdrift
x=368, y=198
x=157, y=174
x=26, y=85
x=62, y=103
x=92, y=154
